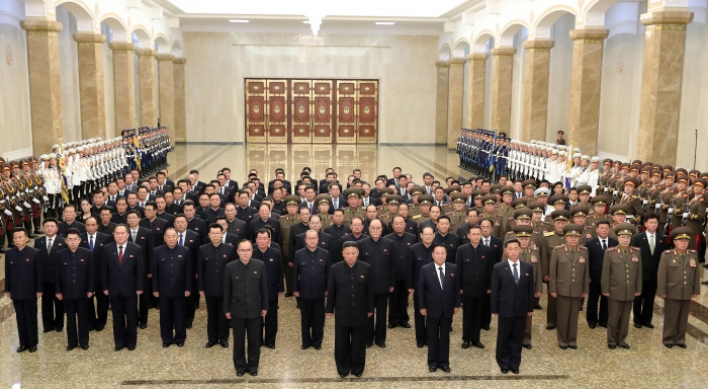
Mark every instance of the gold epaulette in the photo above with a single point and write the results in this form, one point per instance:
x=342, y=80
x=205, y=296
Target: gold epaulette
x=548, y=233
x=559, y=247
x=583, y=248
x=612, y=248
x=414, y=217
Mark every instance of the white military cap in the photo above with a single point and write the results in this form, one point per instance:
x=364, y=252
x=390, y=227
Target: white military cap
x=541, y=191
x=585, y=157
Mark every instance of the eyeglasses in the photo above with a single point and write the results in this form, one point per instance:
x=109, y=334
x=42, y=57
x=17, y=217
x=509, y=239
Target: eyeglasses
x=245, y=250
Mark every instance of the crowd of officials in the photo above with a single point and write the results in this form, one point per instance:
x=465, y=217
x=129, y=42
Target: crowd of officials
x=355, y=251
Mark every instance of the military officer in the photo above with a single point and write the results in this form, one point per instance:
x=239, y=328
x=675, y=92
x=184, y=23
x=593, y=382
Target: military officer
x=579, y=216
x=292, y=202
x=553, y=239
x=632, y=200
x=530, y=254
x=353, y=196
x=696, y=217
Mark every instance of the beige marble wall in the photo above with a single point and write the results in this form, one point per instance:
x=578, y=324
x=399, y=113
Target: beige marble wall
x=559, y=77
x=148, y=106
x=502, y=71
x=585, y=87
x=456, y=84
x=536, y=68
x=44, y=82
x=124, y=85
x=476, y=77
x=15, y=129
x=167, y=93
x=93, y=110
x=180, y=101
x=441, y=90
x=664, y=44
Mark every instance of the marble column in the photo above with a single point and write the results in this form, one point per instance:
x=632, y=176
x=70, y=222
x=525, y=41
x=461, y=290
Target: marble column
x=536, y=67
x=180, y=101
x=91, y=85
x=662, y=79
x=44, y=82
x=165, y=66
x=586, y=79
x=146, y=69
x=502, y=70
x=124, y=85
x=456, y=84
x=476, y=74
x=441, y=102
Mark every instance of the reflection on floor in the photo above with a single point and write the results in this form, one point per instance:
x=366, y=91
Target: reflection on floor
x=400, y=365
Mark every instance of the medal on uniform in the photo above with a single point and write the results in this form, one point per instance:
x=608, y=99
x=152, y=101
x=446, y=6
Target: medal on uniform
x=581, y=260
x=693, y=262
x=635, y=259
x=534, y=259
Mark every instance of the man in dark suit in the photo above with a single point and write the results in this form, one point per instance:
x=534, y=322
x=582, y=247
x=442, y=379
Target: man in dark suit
x=172, y=274
x=69, y=221
x=243, y=211
x=439, y=297
x=75, y=284
x=49, y=245
x=194, y=223
x=246, y=304
x=105, y=226
x=154, y=224
x=512, y=301
x=474, y=263
x=264, y=217
x=23, y=284
x=95, y=242
x=192, y=241
x=338, y=200
x=212, y=259
x=422, y=254
x=144, y=238
x=350, y=293
x=596, y=252
x=273, y=261
x=398, y=300
x=497, y=250
x=229, y=182
x=123, y=279
x=214, y=210
x=652, y=245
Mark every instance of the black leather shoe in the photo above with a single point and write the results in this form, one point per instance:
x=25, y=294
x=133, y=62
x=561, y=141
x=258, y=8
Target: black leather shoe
x=271, y=346
x=392, y=326
x=60, y=329
x=637, y=325
x=48, y=330
x=166, y=345
x=357, y=375
x=421, y=345
x=368, y=345
x=446, y=369
x=85, y=347
x=432, y=369
x=288, y=295
x=603, y=325
x=99, y=328
x=21, y=349
x=550, y=327
x=143, y=326
x=611, y=346
x=648, y=325
x=210, y=344
x=253, y=373
x=342, y=375
x=240, y=373
x=515, y=371
x=574, y=347
x=668, y=345
x=180, y=344
x=69, y=348
x=705, y=282
x=537, y=306
x=317, y=347
x=382, y=344
x=527, y=346
x=189, y=326
x=563, y=347
x=465, y=345
x=486, y=328
x=505, y=371
x=625, y=346
x=33, y=349
x=478, y=344
x=592, y=326
x=306, y=347
x=682, y=345
x=131, y=348
x=118, y=348
x=224, y=344
x=405, y=325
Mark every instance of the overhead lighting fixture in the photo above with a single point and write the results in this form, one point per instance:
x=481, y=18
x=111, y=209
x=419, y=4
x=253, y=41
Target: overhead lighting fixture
x=238, y=21
x=385, y=23
x=306, y=21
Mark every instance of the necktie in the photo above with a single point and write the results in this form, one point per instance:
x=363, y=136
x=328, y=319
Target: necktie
x=651, y=243
x=604, y=245
x=336, y=204
x=160, y=188
x=442, y=276
x=133, y=235
x=91, y=242
x=120, y=255
x=49, y=244
x=486, y=242
x=181, y=242
x=516, y=275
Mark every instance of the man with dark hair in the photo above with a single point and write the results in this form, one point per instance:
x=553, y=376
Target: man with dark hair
x=398, y=300
x=69, y=221
x=652, y=245
x=192, y=241
x=214, y=210
x=596, y=250
x=23, y=285
x=95, y=241
x=48, y=246
x=144, y=238
x=154, y=224
x=161, y=212
x=310, y=272
x=422, y=255
x=194, y=223
x=105, y=225
x=273, y=261
x=264, y=218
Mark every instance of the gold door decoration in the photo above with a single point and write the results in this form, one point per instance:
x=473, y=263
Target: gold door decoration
x=256, y=111
x=322, y=107
x=277, y=120
x=368, y=112
x=301, y=111
x=346, y=111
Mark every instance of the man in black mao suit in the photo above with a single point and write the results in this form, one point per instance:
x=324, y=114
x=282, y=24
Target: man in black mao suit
x=212, y=259
x=48, y=246
x=512, y=301
x=171, y=268
x=95, y=242
x=596, y=251
x=144, y=238
x=439, y=295
x=75, y=284
x=644, y=304
x=273, y=261
x=24, y=285
x=191, y=240
x=350, y=295
x=246, y=304
x=123, y=280
x=475, y=265
x=497, y=249
x=422, y=254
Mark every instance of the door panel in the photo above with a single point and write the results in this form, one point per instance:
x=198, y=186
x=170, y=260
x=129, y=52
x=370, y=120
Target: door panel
x=367, y=131
x=301, y=112
x=277, y=123
x=255, y=111
x=346, y=111
x=322, y=122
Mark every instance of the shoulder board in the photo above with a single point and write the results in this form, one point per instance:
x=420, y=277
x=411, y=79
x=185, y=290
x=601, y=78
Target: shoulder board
x=583, y=248
x=668, y=251
x=534, y=232
x=510, y=218
x=612, y=248
x=510, y=232
x=685, y=194
x=635, y=196
x=559, y=247
x=283, y=217
x=548, y=233
x=534, y=248
x=414, y=217
x=450, y=214
x=637, y=249
x=693, y=251
x=547, y=223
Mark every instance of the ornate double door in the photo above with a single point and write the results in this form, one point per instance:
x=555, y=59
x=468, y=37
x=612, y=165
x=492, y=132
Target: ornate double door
x=311, y=111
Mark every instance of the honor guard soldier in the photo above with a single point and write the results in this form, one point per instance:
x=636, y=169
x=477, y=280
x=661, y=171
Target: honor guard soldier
x=569, y=282
x=552, y=240
x=678, y=281
x=679, y=204
x=632, y=201
x=696, y=218
x=489, y=212
x=621, y=283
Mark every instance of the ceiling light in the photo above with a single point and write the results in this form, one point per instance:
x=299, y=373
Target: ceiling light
x=238, y=21
x=385, y=23
x=306, y=21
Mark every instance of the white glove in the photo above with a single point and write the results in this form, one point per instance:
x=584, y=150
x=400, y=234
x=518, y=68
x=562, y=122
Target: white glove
x=27, y=205
x=8, y=213
x=36, y=200
x=685, y=215
x=45, y=198
x=658, y=206
x=17, y=207
x=645, y=202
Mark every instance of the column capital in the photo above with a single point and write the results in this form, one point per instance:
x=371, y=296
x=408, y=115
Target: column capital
x=540, y=45
x=89, y=37
x=678, y=19
x=589, y=34
x=122, y=46
x=165, y=57
x=442, y=64
x=180, y=61
x=40, y=27
x=477, y=57
x=145, y=52
x=503, y=52
x=457, y=61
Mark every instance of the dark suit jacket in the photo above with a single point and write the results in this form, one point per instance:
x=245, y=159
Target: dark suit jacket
x=245, y=300
x=497, y=248
x=144, y=240
x=597, y=256
x=350, y=292
x=211, y=265
x=475, y=266
x=508, y=298
x=23, y=273
x=171, y=270
x=101, y=241
x=49, y=260
x=232, y=240
x=273, y=261
x=439, y=302
x=123, y=279
x=64, y=227
x=650, y=263
x=75, y=277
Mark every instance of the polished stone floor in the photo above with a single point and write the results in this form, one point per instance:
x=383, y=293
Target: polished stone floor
x=400, y=365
